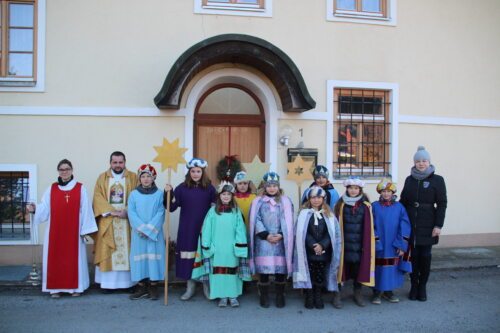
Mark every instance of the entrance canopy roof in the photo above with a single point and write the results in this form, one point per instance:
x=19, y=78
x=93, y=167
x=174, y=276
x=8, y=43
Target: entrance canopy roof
x=238, y=49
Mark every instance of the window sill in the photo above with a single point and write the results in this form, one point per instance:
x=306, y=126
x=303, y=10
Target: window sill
x=20, y=86
x=363, y=18
x=234, y=10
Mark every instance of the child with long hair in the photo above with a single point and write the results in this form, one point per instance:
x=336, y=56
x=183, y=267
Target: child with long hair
x=317, y=248
x=243, y=195
x=271, y=238
x=358, y=254
x=194, y=197
x=223, y=249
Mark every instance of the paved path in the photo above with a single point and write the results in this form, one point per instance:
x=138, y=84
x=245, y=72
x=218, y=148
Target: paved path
x=459, y=301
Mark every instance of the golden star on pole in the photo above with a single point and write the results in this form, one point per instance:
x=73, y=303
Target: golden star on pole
x=299, y=170
x=256, y=170
x=170, y=154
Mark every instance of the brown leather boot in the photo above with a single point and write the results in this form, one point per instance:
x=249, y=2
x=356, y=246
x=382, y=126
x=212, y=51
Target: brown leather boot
x=358, y=298
x=337, y=300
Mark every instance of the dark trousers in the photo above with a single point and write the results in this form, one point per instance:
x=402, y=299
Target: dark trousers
x=421, y=264
x=317, y=273
x=264, y=278
x=352, y=270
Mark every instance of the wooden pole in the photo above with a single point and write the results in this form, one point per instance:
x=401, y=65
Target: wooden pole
x=167, y=236
x=299, y=185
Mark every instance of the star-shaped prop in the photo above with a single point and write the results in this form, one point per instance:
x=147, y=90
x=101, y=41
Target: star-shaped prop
x=170, y=155
x=256, y=170
x=299, y=170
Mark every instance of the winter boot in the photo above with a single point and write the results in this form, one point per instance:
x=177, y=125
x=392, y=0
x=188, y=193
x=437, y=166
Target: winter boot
x=264, y=294
x=190, y=290
x=358, y=298
x=280, y=294
x=318, y=297
x=414, y=277
x=206, y=289
x=425, y=270
x=154, y=292
x=337, y=300
x=141, y=291
x=309, y=301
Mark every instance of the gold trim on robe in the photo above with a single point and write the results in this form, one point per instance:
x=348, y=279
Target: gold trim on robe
x=104, y=239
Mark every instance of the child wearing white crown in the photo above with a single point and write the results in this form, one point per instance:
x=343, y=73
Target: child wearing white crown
x=357, y=262
x=271, y=238
x=317, y=248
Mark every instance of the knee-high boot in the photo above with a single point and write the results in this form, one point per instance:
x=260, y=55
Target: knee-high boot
x=414, y=278
x=425, y=270
x=280, y=294
x=263, y=294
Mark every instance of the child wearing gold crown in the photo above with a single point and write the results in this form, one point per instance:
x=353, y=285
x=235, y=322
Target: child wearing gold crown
x=392, y=235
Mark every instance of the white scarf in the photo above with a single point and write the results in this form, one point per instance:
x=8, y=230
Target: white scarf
x=318, y=215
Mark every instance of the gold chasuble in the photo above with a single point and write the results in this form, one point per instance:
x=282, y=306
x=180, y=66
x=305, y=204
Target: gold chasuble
x=112, y=241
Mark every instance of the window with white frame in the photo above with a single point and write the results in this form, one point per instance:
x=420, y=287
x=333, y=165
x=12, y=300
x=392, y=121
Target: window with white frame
x=20, y=59
x=362, y=11
x=17, y=188
x=361, y=137
x=234, y=7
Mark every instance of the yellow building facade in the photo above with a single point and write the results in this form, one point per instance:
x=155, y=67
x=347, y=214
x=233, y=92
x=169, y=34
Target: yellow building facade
x=122, y=75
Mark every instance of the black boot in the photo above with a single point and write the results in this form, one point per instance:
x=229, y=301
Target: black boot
x=318, y=297
x=280, y=294
x=414, y=277
x=414, y=286
x=309, y=301
x=141, y=291
x=154, y=293
x=425, y=270
x=264, y=294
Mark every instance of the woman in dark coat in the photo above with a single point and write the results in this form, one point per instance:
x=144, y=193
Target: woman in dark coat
x=424, y=197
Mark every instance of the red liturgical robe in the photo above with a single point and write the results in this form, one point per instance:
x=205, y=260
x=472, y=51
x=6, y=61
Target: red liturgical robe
x=62, y=268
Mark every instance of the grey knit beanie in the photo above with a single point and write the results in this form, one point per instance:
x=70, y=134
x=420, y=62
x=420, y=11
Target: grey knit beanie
x=421, y=154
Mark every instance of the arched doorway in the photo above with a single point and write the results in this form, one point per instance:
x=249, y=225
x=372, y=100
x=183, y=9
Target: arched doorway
x=229, y=120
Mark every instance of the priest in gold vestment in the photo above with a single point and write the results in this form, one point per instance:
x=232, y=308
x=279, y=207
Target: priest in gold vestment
x=112, y=241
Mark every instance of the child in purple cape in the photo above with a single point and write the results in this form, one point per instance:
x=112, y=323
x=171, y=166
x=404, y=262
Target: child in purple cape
x=194, y=197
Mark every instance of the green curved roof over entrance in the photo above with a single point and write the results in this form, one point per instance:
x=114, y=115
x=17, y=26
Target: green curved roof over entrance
x=239, y=49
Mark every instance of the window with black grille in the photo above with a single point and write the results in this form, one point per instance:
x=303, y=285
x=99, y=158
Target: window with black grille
x=361, y=133
x=14, y=218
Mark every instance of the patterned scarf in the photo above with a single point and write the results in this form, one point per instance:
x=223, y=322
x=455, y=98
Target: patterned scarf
x=225, y=209
x=387, y=203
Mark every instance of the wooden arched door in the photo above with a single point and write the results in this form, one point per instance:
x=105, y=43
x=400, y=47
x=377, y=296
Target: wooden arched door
x=229, y=120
